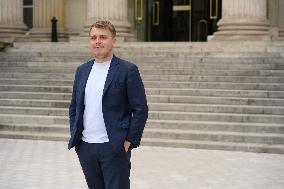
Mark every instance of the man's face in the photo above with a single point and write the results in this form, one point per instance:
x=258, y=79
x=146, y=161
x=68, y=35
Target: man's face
x=102, y=43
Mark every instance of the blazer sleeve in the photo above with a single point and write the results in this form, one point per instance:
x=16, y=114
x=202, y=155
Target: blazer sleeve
x=72, y=107
x=138, y=105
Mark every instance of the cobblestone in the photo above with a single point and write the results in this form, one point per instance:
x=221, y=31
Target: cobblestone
x=34, y=164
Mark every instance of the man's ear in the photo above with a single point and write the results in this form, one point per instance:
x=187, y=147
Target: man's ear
x=114, y=40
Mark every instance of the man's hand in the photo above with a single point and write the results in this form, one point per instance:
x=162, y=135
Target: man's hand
x=126, y=145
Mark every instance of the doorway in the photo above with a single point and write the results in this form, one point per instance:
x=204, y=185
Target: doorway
x=181, y=20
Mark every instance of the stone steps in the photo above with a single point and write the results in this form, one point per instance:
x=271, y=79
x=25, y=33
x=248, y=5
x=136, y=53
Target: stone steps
x=217, y=108
x=222, y=117
x=246, y=94
x=34, y=135
x=32, y=119
x=274, y=73
x=46, y=111
x=246, y=147
x=34, y=77
x=164, y=71
x=35, y=107
x=158, y=124
x=216, y=126
x=199, y=144
x=212, y=63
x=157, y=84
x=17, y=75
x=216, y=100
x=164, y=115
x=220, y=136
x=160, y=99
x=216, y=93
x=31, y=103
x=32, y=127
x=51, y=108
x=12, y=95
x=201, y=78
x=200, y=95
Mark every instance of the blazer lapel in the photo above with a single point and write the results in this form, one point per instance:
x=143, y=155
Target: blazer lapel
x=111, y=73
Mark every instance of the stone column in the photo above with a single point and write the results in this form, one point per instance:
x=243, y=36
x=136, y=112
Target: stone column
x=43, y=12
x=243, y=20
x=273, y=18
x=11, y=20
x=281, y=19
x=112, y=10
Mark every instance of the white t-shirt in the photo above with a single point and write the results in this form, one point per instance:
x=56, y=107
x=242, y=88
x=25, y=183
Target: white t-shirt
x=94, y=125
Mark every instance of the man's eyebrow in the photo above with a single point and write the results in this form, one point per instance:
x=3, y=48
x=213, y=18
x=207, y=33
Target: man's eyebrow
x=100, y=35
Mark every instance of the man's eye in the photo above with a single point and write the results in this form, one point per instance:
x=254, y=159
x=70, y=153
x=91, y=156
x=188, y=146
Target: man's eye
x=93, y=38
x=103, y=37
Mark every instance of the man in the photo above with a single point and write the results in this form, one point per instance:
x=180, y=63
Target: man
x=108, y=112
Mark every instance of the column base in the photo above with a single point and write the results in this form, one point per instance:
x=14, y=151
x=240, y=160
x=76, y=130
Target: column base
x=242, y=29
x=44, y=35
x=12, y=32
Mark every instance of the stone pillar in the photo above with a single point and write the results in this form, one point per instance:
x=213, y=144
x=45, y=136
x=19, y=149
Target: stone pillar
x=43, y=12
x=243, y=20
x=273, y=18
x=112, y=10
x=11, y=20
x=281, y=19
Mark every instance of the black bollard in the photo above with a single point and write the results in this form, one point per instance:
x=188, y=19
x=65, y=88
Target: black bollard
x=54, y=30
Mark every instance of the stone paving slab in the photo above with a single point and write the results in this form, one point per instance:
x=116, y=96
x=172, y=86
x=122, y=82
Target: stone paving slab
x=34, y=164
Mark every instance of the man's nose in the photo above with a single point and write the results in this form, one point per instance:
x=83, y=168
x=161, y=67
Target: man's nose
x=98, y=40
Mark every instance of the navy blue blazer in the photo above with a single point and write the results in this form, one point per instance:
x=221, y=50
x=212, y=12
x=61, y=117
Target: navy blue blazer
x=124, y=104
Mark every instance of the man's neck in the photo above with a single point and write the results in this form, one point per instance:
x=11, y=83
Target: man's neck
x=104, y=59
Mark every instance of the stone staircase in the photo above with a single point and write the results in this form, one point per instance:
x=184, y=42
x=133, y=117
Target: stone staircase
x=281, y=34
x=201, y=95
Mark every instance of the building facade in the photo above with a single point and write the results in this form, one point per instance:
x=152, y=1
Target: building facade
x=144, y=20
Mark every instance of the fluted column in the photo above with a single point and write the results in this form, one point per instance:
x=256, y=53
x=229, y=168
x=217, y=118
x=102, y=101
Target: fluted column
x=243, y=20
x=281, y=19
x=43, y=12
x=112, y=10
x=11, y=19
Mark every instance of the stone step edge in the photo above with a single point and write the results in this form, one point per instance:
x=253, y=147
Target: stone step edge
x=164, y=142
x=217, y=114
x=224, y=133
x=265, y=110
x=66, y=135
x=8, y=61
x=176, y=112
x=160, y=96
x=230, y=146
x=213, y=105
x=148, y=82
x=213, y=122
x=147, y=88
x=158, y=81
x=34, y=100
x=158, y=89
x=32, y=116
x=155, y=121
x=149, y=104
x=32, y=108
x=34, y=128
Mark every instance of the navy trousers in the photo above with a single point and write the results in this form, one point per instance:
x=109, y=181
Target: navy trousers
x=103, y=168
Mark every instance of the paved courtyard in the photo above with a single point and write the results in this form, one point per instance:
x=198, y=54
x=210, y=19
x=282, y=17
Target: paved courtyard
x=31, y=164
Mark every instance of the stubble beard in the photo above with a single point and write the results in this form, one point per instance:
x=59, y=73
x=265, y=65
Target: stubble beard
x=101, y=55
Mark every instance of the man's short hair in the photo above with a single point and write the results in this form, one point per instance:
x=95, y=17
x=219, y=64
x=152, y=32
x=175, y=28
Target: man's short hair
x=104, y=24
